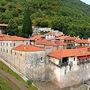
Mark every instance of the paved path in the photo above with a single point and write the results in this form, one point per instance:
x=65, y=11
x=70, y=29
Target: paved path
x=13, y=80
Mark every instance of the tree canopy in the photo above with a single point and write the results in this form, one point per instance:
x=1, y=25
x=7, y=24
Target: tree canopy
x=27, y=24
x=70, y=16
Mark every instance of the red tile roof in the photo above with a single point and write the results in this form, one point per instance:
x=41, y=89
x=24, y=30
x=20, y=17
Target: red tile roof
x=4, y=37
x=65, y=38
x=50, y=43
x=62, y=37
x=36, y=37
x=28, y=48
x=69, y=53
x=82, y=41
x=70, y=38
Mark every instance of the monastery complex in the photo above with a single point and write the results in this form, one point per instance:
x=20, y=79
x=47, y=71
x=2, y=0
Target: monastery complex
x=62, y=59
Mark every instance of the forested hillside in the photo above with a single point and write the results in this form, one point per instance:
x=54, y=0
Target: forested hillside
x=70, y=16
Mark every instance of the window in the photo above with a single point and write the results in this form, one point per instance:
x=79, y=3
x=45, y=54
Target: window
x=7, y=51
x=10, y=44
x=1, y=49
x=41, y=60
x=15, y=53
x=26, y=43
x=20, y=54
x=65, y=60
x=13, y=44
x=11, y=51
x=6, y=44
x=3, y=44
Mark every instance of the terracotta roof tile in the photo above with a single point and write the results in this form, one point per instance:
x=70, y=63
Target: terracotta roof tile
x=4, y=37
x=84, y=41
x=62, y=37
x=70, y=38
x=36, y=37
x=66, y=38
x=28, y=48
x=50, y=43
x=69, y=53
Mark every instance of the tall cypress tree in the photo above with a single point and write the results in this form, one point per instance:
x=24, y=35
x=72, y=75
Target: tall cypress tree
x=27, y=23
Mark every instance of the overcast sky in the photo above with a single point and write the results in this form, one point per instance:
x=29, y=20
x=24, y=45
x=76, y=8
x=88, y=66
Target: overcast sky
x=86, y=1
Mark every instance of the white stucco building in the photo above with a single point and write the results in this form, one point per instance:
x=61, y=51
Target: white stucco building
x=67, y=66
x=7, y=43
x=30, y=60
x=46, y=57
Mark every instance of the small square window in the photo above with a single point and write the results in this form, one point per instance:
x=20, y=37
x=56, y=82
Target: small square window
x=6, y=44
x=20, y=54
x=1, y=49
x=26, y=43
x=10, y=44
x=15, y=53
x=11, y=51
x=7, y=51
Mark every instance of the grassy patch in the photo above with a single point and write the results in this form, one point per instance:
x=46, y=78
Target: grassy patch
x=8, y=70
x=4, y=85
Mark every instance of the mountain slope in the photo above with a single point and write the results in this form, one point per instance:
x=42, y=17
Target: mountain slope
x=70, y=16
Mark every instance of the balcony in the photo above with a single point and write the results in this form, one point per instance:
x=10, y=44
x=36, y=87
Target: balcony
x=83, y=61
x=60, y=65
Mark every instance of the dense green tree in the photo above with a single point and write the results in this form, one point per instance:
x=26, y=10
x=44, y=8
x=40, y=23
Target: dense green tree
x=69, y=16
x=27, y=24
x=44, y=24
x=12, y=27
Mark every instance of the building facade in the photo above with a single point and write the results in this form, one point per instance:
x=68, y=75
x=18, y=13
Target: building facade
x=69, y=66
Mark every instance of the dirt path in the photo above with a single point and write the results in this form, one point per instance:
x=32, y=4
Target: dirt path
x=14, y=82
